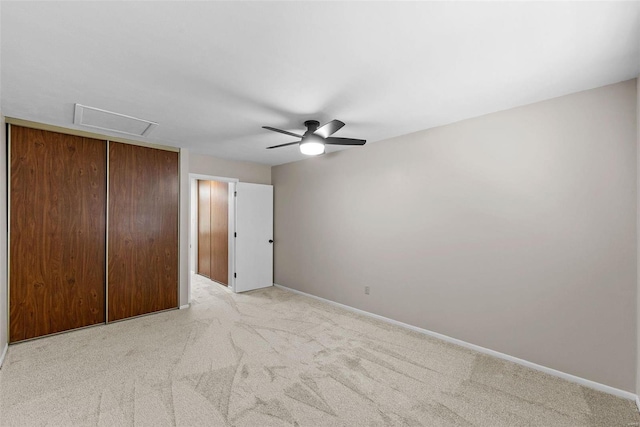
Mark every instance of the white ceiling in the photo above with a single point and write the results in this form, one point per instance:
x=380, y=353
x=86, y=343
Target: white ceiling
x=212, y=73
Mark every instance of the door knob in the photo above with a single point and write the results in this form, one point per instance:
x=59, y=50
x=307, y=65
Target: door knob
x=270, y=241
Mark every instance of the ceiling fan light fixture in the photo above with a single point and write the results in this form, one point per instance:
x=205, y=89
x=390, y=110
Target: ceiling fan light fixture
x=311, y=148
x=313, y=142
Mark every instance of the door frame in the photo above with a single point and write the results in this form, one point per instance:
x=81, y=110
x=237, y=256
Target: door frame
x=192, y=257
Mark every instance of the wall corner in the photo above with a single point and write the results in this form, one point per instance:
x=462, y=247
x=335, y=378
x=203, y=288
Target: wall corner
x=637, y=239
x=184, y=279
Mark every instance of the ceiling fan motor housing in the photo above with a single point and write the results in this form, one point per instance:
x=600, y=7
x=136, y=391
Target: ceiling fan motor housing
x=312, y=126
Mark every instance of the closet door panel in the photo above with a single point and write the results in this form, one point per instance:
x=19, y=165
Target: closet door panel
x=220, y=232
x=204, y=228
x=57, y=226
x=143, y=230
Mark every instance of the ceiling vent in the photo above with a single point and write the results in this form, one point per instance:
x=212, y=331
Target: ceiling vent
x=108, y=120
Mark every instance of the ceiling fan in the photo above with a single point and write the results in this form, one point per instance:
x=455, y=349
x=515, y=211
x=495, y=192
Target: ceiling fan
x=312, y=142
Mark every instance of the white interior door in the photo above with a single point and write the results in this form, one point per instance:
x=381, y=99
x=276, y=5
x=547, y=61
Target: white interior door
x=254, y=236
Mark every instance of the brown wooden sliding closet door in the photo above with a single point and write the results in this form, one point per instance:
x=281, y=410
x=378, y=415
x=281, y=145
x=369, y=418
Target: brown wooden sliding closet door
x=143, y=230
x=220, y=232
x=204, y=228
x=57, y=224
x=213, y=230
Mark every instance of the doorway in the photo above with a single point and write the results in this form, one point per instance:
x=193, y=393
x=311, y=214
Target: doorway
x=250, y=234
x=212, y=223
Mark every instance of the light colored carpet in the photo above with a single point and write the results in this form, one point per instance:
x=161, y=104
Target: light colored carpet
x=274, y=358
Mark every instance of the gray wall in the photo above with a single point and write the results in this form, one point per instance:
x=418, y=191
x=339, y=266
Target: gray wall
x=244, y=171
x=4, y=338
x=3, y=230
x=515, y=231
x=3, y=236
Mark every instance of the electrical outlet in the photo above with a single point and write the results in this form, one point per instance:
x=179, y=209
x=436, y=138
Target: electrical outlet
x=366, y=290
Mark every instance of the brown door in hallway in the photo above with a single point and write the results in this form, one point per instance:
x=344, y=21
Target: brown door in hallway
x=204, y=228
x=57, y=248
x=213, y=230
x=143, y=230
x=220, y=232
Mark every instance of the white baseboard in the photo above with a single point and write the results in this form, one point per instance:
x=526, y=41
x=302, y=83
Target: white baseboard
x=578, y=380
x=182, y=307
x=4, y=353
x=638, y=403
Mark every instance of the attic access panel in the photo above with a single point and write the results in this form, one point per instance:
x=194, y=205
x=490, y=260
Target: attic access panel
x=108, y=120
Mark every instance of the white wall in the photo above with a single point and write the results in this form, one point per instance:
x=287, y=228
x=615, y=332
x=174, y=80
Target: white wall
x=515, y=231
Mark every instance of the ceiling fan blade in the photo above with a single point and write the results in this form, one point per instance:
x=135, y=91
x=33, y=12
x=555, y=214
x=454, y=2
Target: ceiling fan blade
x=344, y=141
x=282, y=131
x=329, y=129
x=283, y=145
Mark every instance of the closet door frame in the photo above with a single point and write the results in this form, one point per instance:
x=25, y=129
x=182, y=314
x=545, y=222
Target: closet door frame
x=52, y=128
